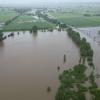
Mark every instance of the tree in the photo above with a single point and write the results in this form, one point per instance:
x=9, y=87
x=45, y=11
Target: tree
x=62, y=25
x=1, y=35
x=34, y=29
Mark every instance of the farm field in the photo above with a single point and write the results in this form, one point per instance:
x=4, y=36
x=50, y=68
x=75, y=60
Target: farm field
x=26, y=22
x=77, y=19
x=7, y=15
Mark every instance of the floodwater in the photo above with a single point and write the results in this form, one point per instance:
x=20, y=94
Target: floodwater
x=93, y=37
x=28, y=64
x=92, y=32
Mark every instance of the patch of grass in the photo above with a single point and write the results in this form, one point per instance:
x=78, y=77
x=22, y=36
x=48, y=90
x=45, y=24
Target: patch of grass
x=7, y=15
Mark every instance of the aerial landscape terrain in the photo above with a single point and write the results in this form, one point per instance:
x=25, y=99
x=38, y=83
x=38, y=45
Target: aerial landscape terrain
x=49, y=50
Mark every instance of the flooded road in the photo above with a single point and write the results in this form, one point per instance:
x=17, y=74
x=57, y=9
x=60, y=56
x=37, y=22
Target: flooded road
x=28, y=64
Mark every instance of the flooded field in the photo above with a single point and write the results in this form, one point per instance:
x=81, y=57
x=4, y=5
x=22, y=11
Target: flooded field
x=92, y=32
x=28, y=64
x=94, y=38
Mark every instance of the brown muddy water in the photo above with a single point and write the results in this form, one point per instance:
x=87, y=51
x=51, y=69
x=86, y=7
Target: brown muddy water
x=28, y=64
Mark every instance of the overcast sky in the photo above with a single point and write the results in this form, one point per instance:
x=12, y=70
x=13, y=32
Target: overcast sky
x=39, y=1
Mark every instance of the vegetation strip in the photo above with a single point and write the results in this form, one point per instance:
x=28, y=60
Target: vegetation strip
x=74, y=81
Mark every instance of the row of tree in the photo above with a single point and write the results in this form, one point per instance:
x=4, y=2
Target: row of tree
x=86, y=51
x=52, y=20
x=9, y=21
x=73, y=80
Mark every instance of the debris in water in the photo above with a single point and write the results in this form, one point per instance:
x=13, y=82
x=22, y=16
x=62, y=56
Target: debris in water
x=48, y=89
x=64, y=58
x=58, y=68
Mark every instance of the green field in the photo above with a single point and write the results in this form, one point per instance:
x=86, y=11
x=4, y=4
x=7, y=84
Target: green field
x=7, y=15
x=76, y=19
x=26, y=22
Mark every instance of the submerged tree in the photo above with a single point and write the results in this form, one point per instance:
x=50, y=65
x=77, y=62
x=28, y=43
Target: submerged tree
x=34, y=29
x=64, y=58
x=48, y=89
x=62, y=25
x=1, y=35
x=58, y=67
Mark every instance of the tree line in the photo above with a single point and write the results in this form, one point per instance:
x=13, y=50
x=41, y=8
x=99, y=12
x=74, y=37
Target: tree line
x=86, y=51
x=73, y=81
x=52, y=20
x=9, y=21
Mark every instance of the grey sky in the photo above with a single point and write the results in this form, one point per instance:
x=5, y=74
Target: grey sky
x=39, y=1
